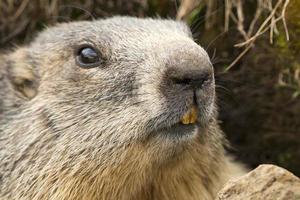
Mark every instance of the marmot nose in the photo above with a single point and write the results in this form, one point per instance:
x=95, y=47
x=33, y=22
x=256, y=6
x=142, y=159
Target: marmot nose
x=192, y=77
x=190, y=73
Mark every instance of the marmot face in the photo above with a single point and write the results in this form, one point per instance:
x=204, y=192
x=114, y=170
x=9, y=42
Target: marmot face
x=125, y=81
x=121, y=108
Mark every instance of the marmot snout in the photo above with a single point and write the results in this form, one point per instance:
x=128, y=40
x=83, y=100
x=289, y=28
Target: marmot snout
x=121, y=108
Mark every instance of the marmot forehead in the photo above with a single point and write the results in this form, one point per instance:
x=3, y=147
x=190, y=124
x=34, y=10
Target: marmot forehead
x=113, y=29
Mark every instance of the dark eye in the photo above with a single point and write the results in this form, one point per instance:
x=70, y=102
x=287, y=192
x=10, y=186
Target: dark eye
x=88, y=57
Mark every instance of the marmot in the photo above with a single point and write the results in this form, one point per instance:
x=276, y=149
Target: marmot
x=119, y=108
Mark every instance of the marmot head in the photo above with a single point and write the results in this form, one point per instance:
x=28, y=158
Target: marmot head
x=119, y=82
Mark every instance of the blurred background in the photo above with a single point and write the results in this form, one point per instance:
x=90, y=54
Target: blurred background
x=254, y=45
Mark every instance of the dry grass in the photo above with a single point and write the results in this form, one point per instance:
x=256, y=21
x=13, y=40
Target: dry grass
x=276, y=14
x=20, y=19
x=266, y=18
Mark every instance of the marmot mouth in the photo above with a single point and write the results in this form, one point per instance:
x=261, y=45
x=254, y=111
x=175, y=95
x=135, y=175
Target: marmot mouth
x=185, y=126
x=190, y=117
x=179, y=130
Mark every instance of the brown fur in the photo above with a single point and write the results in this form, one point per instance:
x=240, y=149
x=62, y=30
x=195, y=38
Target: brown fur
x=74, y=133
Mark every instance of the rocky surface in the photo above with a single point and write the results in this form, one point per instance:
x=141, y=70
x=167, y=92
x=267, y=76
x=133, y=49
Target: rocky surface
x=266, y=182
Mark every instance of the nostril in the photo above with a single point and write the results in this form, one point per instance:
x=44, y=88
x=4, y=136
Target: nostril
x=183, y=81
x=194, y=79
x=200, y=80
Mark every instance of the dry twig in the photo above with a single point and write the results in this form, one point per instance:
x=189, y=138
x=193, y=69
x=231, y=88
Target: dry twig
x=234, y=12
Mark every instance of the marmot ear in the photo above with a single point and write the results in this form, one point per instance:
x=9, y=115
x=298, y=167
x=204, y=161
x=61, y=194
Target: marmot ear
x=22, y=73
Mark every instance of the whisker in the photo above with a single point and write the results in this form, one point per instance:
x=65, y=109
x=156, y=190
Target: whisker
x=214, y=55
x=215, y=39
x=195, y=25
x=56, y=18
x=217, y=61
x=223, y=88
x=176, y=6
x=221, y=103
x=79, y=8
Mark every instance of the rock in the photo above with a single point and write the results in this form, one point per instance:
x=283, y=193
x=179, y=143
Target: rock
x=266, y=182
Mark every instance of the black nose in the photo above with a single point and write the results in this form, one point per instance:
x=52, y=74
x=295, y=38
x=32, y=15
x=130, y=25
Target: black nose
x=190, y=72
x=189, y=66
x=191, y=77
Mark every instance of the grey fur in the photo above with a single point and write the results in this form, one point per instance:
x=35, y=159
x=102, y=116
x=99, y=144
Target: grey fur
x=102, y=133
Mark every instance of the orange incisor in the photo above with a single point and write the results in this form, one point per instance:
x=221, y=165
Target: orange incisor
x=190, y=116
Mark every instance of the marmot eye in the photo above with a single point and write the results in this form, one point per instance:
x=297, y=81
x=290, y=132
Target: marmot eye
x=88, y=57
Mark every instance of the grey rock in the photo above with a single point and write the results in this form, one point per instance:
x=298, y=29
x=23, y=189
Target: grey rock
x=266, y=182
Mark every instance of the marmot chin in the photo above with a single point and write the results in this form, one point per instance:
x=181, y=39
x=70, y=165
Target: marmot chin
x=120, y=108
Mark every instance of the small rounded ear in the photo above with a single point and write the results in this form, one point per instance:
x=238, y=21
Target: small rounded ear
x=22, y=73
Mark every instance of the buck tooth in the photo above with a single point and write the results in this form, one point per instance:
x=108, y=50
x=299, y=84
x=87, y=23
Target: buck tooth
x=186, y=118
